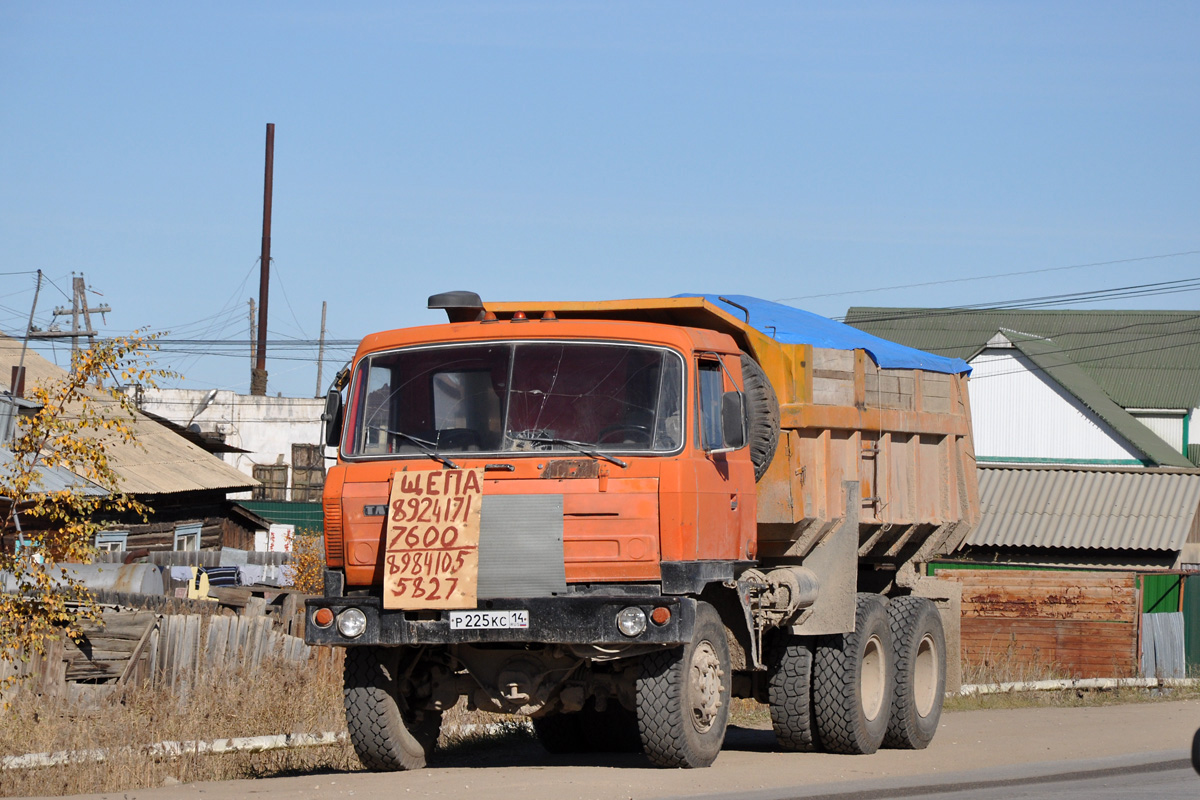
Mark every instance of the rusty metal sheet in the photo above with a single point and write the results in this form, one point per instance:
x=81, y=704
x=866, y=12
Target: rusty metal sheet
x=1043, y=623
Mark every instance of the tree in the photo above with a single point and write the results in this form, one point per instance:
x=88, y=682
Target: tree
x=81, y=416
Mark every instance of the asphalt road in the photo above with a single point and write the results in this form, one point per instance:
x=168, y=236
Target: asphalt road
x=1125, y=751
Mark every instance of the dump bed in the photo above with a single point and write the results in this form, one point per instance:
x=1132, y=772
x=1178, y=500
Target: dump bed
x=853, y=408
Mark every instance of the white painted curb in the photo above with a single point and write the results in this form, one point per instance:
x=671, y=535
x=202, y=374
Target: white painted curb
x=1079, y=683
x=247, y=744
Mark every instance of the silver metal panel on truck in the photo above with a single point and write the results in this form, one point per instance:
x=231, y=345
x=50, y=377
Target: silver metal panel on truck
x=521, y=546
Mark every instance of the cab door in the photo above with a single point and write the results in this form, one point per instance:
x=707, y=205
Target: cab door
x=718, y=477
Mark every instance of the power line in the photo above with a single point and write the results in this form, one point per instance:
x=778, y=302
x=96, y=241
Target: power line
x=992, y=277
x=1137, y=290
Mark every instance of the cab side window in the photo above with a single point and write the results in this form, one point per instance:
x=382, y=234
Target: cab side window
x=711, y=386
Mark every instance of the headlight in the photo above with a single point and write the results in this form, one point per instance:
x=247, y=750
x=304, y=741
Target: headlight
x=351, y=623
x=632, y=621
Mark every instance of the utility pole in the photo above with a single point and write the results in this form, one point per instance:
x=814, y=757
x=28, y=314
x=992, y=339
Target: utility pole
x=321, y=350
x=79, y=306
x=253, y=336
x=258, y=375
x=17, y=387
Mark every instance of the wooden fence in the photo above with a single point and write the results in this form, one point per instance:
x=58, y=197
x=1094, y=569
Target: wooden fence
x=140, y=647
x=1068, y=623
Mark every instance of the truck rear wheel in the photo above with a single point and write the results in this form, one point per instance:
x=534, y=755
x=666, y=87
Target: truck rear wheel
x=852, y=682
x=919, y=672
x=683, y=696
x=789, y=695
x=387, y=733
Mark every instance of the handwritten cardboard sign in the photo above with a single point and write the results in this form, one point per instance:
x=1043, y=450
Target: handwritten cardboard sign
x=432, y=554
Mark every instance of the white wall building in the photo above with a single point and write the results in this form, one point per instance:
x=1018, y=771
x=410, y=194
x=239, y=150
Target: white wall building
x=281, y=436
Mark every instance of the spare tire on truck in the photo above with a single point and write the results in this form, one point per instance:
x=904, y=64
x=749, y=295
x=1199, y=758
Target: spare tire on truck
x=762, y=415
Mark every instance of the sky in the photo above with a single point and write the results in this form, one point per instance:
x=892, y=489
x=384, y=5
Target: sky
x=823, y=155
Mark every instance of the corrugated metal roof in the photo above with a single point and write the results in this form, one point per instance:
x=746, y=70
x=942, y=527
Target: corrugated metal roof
x=55, y=479
x=159, y=462
x=1141, y=359
x=1086, y=508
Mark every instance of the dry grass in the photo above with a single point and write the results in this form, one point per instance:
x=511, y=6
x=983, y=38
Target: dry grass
x=276, y=698
x=749, y=713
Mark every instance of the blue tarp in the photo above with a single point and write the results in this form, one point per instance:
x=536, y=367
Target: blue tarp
x=789, y=325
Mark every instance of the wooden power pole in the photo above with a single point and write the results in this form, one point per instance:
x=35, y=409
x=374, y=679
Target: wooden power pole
x=258, y=374
x=79, y=308
x=321, y=350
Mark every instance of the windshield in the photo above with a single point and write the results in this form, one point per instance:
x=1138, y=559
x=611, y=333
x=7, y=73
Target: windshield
x=517, y=396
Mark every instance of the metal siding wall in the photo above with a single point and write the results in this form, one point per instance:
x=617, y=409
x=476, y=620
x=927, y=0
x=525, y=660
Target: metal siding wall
x=1169, y=429
x=1160, y=593
x=1191, y=623
x=1016, y=413
x=1163, y=646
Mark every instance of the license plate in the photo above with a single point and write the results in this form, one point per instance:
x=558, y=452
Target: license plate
x=488, y=620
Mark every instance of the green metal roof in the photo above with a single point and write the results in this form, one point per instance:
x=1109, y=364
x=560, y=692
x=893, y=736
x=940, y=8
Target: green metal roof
x=1139, y=359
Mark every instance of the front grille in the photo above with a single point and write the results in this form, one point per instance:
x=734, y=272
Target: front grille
x=334, y=548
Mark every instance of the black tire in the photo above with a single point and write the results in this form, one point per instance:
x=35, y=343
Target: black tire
x=683, y=696
x=852, y=682
x=762, y=415
x=918, y=672
x=1196, y=751
x=387, y=735
x=789, y=695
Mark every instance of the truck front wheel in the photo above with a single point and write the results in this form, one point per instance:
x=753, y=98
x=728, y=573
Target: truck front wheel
x=386, y=731
x=852, y=682
x=683, y=696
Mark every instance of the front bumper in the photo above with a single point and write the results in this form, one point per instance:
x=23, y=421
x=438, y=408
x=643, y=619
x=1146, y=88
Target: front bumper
x=588, y=620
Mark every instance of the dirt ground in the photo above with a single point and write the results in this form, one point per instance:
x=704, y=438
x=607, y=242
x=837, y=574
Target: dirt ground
x=967, y=740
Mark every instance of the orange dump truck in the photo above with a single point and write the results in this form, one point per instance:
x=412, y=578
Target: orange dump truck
x=614, y=517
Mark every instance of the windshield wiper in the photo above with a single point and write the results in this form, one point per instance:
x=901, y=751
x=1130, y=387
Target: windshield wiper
x=428, y=448
x=579, y=447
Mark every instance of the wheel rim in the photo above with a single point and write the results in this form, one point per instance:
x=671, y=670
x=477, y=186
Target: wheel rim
x=925, y=675
x=705, y=684
x=873, y=681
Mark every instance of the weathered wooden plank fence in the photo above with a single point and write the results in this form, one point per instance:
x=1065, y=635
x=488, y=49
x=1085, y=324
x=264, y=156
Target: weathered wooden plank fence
x=134, y=647
x=1074, y=623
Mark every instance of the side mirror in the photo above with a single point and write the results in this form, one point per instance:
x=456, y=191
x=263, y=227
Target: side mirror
x=733, y=420
x=332, y=417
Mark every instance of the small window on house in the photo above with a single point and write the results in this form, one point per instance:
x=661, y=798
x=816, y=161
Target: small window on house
x=274, y=480
x=187, y=537
x=108, y=541
x=29, y=544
